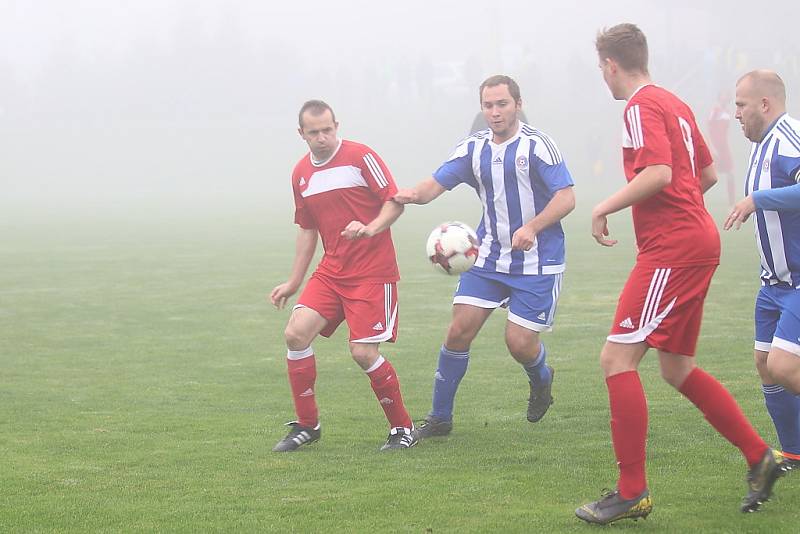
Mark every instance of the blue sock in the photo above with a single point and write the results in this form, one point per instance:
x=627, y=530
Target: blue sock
x=537, y=370
x=784, y=408
x=452, y=368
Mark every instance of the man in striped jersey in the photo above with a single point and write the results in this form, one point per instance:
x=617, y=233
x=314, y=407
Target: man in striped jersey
x=526, y=189
x=773, y=194
x=668, y=168
x=343, y=193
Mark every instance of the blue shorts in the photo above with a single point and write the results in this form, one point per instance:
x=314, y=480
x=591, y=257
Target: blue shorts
x=530, y=298
x=777, y=317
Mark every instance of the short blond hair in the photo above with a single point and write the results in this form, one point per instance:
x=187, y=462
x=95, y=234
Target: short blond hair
x=626, y=44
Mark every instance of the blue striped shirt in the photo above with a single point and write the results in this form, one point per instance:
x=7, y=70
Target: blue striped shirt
x=515, y=180
x=774, y=164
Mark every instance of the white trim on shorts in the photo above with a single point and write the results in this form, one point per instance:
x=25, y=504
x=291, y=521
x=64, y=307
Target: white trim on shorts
x=389, y=320
x=788, y=346
x=475, y=301
x=640, y=335
x=763, y=346
x=530, y=325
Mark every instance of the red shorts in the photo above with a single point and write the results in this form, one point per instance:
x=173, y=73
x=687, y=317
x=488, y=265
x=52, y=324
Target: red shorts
x=369, y=309
x=662, y=307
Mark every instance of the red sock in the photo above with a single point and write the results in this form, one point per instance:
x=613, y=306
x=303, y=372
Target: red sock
x=302, y=375
x=628, y=431
x=386, y=386
x=723, y=412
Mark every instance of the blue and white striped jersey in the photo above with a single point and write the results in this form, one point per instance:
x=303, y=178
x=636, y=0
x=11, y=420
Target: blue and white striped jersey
x=514, y=180
x=775, y=163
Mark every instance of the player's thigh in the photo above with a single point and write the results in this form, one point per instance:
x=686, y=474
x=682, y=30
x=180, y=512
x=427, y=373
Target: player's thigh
x=465, y=324
x=303, y=326
x=533, y=300
x=371, y=312
x=322, y=296
x=662, y=307
x=476, y=296
x=783, y=361
x=766, y=314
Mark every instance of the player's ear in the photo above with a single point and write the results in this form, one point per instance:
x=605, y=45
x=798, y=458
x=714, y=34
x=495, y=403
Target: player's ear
x=300, y=131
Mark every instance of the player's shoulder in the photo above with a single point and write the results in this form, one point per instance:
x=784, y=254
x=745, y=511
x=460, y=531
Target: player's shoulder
x=354, y=147
x=788, y=129
x=543, y=145
x=302, y=165
x=660, y=100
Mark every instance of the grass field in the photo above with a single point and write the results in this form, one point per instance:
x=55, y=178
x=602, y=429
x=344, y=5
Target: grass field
x=142, y=386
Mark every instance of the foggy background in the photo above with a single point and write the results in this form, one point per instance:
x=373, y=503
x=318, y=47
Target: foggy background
x=111, y=105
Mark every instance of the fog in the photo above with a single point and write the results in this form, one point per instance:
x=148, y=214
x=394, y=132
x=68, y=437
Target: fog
x=195, y=101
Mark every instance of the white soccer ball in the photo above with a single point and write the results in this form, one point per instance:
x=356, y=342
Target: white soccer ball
x=452, y=247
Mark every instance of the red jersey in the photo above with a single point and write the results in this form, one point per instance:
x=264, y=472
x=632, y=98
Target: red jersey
x=673, y=227
x=351, y=186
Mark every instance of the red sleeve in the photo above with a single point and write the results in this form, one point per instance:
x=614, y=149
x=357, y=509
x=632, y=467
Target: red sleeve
x=646, y=126
x=701, y=152
x=302, y=215
x=377, y=175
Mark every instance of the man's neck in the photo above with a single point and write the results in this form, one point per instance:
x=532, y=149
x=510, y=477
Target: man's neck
x=634, y=82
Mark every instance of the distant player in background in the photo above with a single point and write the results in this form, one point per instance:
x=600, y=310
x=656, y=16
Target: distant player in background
x=342, y=192
x=772, y=192
x=526, y=189
x=668, y=168
x=718, y=123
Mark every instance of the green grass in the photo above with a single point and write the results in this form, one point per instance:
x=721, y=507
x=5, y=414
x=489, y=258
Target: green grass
x=142, y=386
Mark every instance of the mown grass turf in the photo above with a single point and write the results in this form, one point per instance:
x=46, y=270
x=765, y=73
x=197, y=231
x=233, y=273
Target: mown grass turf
x=143, y=385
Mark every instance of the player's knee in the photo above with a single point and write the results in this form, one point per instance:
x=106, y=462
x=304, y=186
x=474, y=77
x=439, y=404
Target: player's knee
x=785, y=370
x=296, y=338
x=522, y=349
x=459, y=337
x=363, y=354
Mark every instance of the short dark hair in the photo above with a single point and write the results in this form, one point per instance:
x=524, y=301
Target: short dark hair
x=500, y=79
x=624, y=43
x=315, y=107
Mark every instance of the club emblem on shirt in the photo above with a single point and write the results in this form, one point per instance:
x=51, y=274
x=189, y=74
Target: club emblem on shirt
x=522, y=162
x=766, y=165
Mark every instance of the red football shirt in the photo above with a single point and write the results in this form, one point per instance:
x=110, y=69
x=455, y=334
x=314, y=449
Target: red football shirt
x=351, y=186
x=673, y=227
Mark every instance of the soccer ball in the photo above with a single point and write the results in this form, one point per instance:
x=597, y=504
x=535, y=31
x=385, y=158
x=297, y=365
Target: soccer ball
x=452, y=247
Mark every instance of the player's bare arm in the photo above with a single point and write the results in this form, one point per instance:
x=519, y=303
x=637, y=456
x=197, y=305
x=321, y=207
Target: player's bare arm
x=562, y=203
x=422, y=193
x=390, y=212
x=708, y=178
x=647, y=183
x=305, y=246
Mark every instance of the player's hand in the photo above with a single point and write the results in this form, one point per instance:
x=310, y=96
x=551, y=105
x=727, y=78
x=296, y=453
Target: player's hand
x=280, y=294
x=406, y=196
x=740, y=213
x=600, y=230
x=355, y=230
x=523, y=238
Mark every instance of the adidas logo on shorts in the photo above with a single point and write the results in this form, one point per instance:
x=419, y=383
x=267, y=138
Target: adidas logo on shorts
x=627, y=323
x=377, y=326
